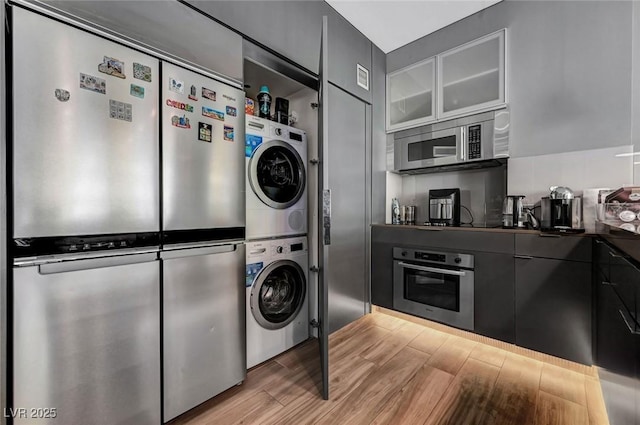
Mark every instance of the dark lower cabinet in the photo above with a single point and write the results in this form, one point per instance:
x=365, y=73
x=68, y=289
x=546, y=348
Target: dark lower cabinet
x=382, y=274
x=617, y=281
x=553, y=307
x=494, y=308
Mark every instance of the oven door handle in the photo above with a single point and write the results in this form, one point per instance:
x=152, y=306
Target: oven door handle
x=431, y=269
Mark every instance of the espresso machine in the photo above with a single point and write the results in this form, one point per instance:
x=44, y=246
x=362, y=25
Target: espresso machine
x=444, y=207
x=561, y=211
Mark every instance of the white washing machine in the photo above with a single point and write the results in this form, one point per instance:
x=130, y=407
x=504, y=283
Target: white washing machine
x=277, y=297
x=276, y=189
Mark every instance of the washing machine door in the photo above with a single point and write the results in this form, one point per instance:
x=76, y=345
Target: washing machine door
x=277, y=294
x=277, y=174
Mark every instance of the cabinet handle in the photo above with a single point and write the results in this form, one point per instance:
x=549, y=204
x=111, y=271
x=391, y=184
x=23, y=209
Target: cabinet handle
x=523, y=257
x=604, y=282
x=599, y=242
x=628, y=321
x=614, y=255
x=549, y=235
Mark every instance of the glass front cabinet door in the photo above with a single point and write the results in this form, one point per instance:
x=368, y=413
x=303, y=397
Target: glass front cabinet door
x=471, y=77
x=411, y=95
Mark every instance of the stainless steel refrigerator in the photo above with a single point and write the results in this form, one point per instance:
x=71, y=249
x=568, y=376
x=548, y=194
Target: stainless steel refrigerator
x=203, y=222
x=85, y=222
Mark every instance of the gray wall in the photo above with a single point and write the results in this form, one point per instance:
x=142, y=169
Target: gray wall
x=3, y=232
x=635, y=129
x=291, y=28
x=378, y=136
x=569, y=69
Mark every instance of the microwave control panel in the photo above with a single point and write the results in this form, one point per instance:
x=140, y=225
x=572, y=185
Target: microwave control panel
x=474, y=143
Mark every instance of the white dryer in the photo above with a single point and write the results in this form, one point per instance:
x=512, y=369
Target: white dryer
x=276, y=177
x=277, y=297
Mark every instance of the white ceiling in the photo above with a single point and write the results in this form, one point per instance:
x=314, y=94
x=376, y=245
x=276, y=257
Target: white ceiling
x=392, y=24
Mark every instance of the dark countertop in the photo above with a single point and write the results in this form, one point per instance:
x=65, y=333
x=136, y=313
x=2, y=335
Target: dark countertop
x=625, y=241
x=481, y=229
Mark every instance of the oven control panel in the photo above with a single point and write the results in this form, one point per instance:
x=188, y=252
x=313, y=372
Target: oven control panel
x=447, y=258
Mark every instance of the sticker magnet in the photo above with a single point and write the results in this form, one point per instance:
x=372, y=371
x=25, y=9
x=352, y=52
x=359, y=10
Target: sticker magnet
x=176, y=85
x=212, y=113
x=204, y=131
x=142, y=72
x=193, y=94
x=95, y=84
x=137, y=91
x=120, y=110
x=112, y=66
x=231, y=111
x=62, y=95
x=182, y=122
x=208, y=94
x=179, y=105
x=228, y=133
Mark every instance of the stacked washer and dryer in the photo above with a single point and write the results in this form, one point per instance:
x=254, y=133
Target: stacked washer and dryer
x=276, y=250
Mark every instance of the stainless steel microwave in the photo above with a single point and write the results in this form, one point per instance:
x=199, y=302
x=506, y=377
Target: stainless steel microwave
x=482, y=137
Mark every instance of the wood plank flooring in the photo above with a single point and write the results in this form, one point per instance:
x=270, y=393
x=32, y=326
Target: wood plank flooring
x=388, y=370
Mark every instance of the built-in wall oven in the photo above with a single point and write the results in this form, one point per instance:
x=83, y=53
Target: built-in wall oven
x=434, y=285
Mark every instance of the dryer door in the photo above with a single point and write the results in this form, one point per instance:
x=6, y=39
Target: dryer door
x=277, y=294
x=277, y=174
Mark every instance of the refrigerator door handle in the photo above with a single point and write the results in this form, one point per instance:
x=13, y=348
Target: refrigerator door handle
x=192, y=252
x=95, y=263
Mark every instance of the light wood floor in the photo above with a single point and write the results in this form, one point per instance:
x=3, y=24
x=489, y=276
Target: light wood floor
x=386, y=370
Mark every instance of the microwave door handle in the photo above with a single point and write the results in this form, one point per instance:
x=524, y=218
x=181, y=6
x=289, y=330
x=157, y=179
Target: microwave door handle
x=463, y=142
x=431, y=269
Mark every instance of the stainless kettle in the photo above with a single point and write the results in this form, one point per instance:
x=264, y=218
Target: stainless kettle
x=513, y=212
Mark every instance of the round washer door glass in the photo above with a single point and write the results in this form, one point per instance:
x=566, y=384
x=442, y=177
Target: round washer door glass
x=277, y=174
x=278, y=294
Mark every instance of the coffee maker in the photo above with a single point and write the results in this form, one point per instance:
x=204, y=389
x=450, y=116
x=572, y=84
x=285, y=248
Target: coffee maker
x=561, y=211
x=444, y=207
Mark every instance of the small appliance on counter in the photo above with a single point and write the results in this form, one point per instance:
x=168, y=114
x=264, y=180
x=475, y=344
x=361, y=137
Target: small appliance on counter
x=514, y=214
x=402, y=214
x=561, y=211
x=444, y=207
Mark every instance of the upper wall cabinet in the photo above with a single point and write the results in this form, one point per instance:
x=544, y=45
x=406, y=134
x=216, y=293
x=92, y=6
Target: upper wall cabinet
x=462, y=81
x=472, y=77
x=411, y=95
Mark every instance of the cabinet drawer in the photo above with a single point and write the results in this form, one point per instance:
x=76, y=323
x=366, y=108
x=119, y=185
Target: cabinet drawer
x=574, y=248
x=625, y=280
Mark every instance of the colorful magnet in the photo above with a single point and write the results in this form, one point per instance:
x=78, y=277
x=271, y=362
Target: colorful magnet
x=112, y=66
x=209, y=94
x=212, y=113
x=120, y=110
x=251, y=143
x=182, y=122
x=204, y=131
x=179, y=105
x=137, y=91
x=62, y=95
x=176, y=85
x=192, y=95
x=228, y=133
x=231, y=111
x=142, y=72
x=95, y=84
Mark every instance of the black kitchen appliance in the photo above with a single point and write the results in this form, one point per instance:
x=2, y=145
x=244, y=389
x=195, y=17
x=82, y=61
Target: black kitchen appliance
x=444, y=207
x=561, y=211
